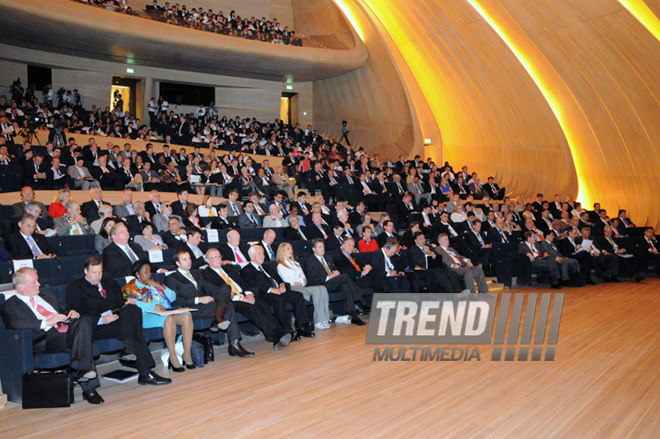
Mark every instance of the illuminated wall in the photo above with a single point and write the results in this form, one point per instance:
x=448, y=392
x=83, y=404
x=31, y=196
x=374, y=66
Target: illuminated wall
x=557, y=96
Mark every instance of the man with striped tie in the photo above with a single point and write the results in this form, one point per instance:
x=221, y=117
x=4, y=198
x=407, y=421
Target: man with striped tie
x=120, y=255
x=461, y=265
x=25, y=244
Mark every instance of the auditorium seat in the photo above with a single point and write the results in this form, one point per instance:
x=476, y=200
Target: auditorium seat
x=18, y=358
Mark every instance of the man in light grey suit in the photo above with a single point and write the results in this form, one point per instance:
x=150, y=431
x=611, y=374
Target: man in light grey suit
x=461, y=265
x=249, y=219
x=80, y=175
x=160, y=220
x=73, y=223
x=235, y=208
x=416, y=188
x=125, y=208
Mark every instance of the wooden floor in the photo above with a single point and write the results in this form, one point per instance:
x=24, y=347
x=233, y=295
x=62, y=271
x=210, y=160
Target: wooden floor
x=604, y=383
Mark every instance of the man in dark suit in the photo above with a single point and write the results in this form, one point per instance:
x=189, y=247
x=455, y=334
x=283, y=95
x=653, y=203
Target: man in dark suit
x=608, y=263
x=179, y=206
x=388, y=232
x=321, y=270
x=336, y=238
x=493, y=190
x=538, y=258
x=386, y=277
x=90, y=209
x=569, y=246
x=194, y=291
x=113, y=317
x=175, y=234
x=154, y=206
x=36, y=173
x=430, y=269
x=609, y=245
x=25, y=244
x=249, y=219
x=481, y=251
x=44, y=315
x=276, y=293
x=120, y=255
x=317, y=230
x=233, y=251
x=345, y=263
x=245, y=302
x=195, y=247
x=294, y=232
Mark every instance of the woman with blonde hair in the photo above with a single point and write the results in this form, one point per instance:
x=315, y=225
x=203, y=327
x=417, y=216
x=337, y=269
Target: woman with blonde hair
x=206, y=209
x=292, y=273
x=56, y=208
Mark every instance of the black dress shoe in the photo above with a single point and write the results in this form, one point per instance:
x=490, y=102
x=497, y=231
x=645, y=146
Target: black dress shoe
x=555, y=286
x=175, y=369
x=305, y=332
x=606, y=280
x=189, y=366
x=153, y=379
x=616, y=280
x=356, y=321
x=236, y=350
x=590, y=282
x=93, y=397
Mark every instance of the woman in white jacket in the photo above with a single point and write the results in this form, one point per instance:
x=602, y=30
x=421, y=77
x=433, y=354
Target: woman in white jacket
x=292, y=273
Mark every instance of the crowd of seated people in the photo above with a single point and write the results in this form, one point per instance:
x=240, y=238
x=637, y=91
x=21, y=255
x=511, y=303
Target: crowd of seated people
x=425, y=239
x=197, y=18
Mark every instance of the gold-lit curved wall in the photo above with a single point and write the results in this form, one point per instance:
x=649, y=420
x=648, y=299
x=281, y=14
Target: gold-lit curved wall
x=552, y=96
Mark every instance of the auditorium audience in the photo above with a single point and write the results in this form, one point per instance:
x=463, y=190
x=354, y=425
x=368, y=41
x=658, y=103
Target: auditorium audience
x=482, y=230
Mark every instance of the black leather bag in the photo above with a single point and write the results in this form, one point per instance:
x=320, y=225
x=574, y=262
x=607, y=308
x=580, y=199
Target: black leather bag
x=46, y=390
x=207, y=344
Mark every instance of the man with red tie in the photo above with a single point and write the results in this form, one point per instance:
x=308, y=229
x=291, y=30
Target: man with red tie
x=540, y=259
x=54, y=329
x=461, y=265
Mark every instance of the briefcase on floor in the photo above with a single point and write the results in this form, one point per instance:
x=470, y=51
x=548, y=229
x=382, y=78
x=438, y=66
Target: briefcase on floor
x=207, y=344
x=47, y=389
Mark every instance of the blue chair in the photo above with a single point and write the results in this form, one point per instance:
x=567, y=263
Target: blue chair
x=18, y=359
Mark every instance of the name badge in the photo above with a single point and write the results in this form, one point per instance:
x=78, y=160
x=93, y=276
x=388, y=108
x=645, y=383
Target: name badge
x=21, y=263
x=212, y=235
x=155, y=256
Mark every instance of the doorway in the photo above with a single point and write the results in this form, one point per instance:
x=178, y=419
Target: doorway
x=289, y=108
x=126, y=92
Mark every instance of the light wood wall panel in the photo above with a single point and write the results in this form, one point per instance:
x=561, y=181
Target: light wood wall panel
x=9, y=71
x=488, y=112
x=609, y=62
x=373, y=99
